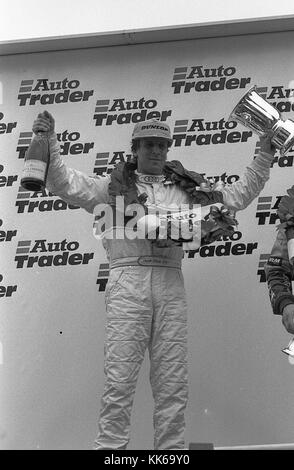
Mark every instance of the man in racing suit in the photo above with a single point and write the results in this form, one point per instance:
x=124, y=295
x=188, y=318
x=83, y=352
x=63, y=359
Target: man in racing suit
x=279, y=275
x=145, y=296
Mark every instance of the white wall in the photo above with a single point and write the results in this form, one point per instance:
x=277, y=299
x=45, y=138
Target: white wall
x=24, y=20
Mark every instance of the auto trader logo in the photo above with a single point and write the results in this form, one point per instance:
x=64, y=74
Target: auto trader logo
x=282, y=161
x=198, y=131
x=6, y=291
x=6, y=181
x=39, y=201
x=278, y=96
x=105, y=161
x=201, y=79
x=266, y=212
x=225, y=246
x=122, y=111
x=42, y=91
x=103, y=275
x=42, y=253
x=262, y=91
x=6, y=235
x=6, y=128
x=70, y=143
x=23, y=143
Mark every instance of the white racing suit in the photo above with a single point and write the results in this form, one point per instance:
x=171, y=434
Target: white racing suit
x=146, y=305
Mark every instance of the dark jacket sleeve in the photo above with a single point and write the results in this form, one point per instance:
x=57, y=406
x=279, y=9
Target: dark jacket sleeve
x=279, y=275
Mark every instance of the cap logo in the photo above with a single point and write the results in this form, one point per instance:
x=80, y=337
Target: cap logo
x=154, y=127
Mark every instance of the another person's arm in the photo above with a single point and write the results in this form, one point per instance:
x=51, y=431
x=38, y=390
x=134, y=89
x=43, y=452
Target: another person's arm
x=73, y=186
x=279, y=274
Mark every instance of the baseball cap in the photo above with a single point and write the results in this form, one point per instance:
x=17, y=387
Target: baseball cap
x=152, y=128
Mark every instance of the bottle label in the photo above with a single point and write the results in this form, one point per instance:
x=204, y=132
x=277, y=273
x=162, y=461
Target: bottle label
x=34, y=169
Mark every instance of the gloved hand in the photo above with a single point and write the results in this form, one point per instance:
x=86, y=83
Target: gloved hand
x=288, y=318
x=44, y=123
x=266, y=145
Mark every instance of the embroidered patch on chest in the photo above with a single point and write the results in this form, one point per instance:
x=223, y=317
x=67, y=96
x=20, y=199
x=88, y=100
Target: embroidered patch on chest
x=150, y=179
x=274, y=261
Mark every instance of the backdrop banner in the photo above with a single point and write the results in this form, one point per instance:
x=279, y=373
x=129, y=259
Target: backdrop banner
x=53, y=271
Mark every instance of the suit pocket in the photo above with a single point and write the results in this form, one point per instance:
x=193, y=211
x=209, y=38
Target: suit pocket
x=113, y=281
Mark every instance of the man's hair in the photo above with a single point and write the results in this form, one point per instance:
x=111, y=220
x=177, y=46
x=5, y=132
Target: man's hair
x=136, y=142
x=134, y=145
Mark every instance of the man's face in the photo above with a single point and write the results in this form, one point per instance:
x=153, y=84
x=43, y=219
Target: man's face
x=152, y=153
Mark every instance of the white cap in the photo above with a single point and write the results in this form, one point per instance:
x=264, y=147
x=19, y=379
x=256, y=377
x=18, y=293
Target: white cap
x=152, y=128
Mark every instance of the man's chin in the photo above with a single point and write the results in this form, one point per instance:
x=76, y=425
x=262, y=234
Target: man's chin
x=154, y=171
x=155, y=168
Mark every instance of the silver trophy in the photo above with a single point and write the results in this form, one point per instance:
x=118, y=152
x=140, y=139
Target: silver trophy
x=261, y=117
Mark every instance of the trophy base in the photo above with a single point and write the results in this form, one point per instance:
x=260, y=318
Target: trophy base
x=283, y=138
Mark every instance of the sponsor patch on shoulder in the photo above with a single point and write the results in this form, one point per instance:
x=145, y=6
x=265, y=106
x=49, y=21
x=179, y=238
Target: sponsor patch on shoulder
x=275, y=261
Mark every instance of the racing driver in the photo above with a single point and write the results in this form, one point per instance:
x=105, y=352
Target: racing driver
x=145, y=295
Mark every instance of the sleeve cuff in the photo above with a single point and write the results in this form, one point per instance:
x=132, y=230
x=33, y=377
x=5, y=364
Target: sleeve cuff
x=263, y=160
x=282, y=302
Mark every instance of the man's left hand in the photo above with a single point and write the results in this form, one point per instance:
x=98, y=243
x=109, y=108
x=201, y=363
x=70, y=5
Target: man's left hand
x=266, y=145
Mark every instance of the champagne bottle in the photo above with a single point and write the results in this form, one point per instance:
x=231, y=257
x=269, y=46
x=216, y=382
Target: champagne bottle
x=36, y=165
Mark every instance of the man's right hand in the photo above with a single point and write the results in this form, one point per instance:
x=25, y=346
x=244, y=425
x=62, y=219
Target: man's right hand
x=44, y=123
x=288, y=318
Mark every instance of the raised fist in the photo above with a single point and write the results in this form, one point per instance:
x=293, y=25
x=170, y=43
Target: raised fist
x=44, y=123
x=266, y=145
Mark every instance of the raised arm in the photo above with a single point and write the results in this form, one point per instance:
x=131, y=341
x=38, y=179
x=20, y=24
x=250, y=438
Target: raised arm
x=73, y=186
x=239, y=195
x=279, y=275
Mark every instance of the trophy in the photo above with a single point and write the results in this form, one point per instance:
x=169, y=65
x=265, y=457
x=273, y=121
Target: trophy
x=261, y=117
